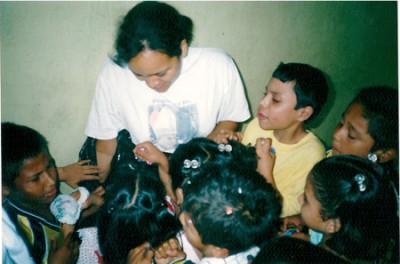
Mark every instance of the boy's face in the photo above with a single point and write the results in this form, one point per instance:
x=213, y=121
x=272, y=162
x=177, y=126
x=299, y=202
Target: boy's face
x=351, y=134
x=276, y=110
x=37, y=183
x=193, y=235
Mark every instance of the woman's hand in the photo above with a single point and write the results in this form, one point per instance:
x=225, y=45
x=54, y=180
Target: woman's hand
x=78, y=171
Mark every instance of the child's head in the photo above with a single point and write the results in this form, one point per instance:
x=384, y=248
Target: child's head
x=354, y=206
x=154, y=26
x=228, y=208
x=29, y=173
x=204, y=150
x=295, y=93
x=135, y=211
x=369, y=125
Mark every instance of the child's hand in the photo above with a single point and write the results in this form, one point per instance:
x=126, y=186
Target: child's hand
x=149, y=153
x=224, y=135
x=67, y=253
x=293, y=220
x=169, y=251
x=94, y=202
x=140, y=255
x=266, y=159
x=78, y=171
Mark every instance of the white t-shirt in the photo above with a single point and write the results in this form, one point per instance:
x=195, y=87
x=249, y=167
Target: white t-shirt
x=207, y=91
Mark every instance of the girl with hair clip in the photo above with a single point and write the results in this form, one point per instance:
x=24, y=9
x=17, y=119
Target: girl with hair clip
x=354, y=208
x=137, y=211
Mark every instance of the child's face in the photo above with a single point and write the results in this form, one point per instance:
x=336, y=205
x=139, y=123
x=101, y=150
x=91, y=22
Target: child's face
x=351, y=134
x=37, y=183
x=193, y=235
x=276, y=110
x=310, y=209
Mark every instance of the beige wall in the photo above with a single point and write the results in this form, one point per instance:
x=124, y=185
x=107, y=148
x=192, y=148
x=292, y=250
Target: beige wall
x=51, y=53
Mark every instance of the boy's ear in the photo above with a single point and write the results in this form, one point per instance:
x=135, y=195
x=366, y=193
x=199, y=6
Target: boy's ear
x=304, y=113
x=386, y=155
x=184, y=48
x=333, y=225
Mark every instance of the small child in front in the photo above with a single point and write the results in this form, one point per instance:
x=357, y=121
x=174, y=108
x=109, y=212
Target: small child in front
x=353, y=206
x=228, y=209
x=294, y=96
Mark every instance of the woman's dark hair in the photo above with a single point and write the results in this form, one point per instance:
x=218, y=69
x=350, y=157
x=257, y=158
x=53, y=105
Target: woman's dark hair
x=135, y=211
x=351, y=190
x=152, y=25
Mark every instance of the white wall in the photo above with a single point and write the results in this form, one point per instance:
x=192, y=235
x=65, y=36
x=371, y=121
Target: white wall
x=51, y=54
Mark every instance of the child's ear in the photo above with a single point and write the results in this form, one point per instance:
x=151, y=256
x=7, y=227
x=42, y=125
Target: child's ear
x=386, y=155
x=333, y=225
x=179, y=196
x=220, y=252
x=304, y=113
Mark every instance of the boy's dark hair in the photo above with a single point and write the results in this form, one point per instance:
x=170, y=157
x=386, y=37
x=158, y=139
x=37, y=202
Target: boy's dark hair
x=311, y=87
x=18, y=143
x=135, y=211
x=366, y=206
x=380, y=107
x=289, y=250
x=203, y=150
x=231, y=206
x=152, y=25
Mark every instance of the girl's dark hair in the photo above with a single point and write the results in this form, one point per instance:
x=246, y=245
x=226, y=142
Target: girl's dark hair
x=351, y=190
x=203, y=150
x=18, y=143
x=135, y=211
x=232, y=206
x=152, y=25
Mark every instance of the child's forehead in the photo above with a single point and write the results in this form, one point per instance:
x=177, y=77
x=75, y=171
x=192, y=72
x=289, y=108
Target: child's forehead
x=36, y=162
x=277, y=86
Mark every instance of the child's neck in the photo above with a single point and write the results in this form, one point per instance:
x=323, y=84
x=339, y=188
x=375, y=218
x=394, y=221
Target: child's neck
x=291, y=135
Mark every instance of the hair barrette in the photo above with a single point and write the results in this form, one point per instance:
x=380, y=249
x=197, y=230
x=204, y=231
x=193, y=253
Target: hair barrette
x=360, y=179
x=229, y=210
x=373, y=157
x=194, y=164
x=224, y=147
x=170, y=206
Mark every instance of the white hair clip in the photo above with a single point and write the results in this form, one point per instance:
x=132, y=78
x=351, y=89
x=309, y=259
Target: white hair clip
x=360, y=179
x=194, y=164
x=223, y=147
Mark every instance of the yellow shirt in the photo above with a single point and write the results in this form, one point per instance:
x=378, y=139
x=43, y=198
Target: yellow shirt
x=292, y=164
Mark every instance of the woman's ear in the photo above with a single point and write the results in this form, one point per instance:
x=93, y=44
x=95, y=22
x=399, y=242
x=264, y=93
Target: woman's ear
x=304, y=113
x=184, y=48
x=333, y=225
x=386, y=155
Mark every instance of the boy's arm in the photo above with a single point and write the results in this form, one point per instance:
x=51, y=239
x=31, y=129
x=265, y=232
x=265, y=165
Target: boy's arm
x=266, y=159
x=73, y=173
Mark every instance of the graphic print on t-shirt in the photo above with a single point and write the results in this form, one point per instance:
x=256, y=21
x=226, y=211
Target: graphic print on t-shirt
x=172, y=124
